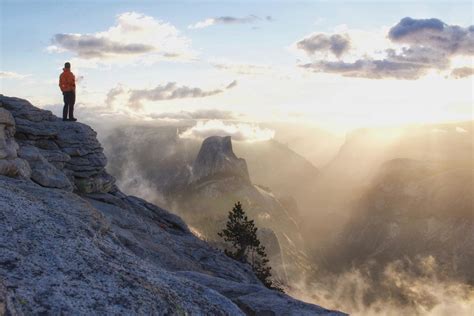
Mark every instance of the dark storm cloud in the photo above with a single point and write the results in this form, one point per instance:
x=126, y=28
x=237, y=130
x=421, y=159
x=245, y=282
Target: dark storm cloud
x=91, y=46
x=430, y=44
x=337, y=44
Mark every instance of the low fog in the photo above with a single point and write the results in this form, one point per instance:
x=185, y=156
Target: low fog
x=386, y=215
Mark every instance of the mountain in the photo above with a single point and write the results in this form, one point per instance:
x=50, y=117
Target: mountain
x=217, y=180
x=73, y=243
x=317, y=145
x=162, y=160
x=217, y=159
x=395, y=215
x=409, y=242
x=413, y=208
x=331, y=199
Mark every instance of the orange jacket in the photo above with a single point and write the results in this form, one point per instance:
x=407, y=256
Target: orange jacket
x=67, y=81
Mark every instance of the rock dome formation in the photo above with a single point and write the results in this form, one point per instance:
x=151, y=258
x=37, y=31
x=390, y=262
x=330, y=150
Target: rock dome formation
x=217, y=159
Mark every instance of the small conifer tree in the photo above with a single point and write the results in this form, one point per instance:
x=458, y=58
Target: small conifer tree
x=241, y=233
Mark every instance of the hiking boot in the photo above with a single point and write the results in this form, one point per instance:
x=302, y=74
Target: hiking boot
x=73, y=119
x=65, y=119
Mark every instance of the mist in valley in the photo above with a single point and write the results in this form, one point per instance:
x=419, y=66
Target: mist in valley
x=344, y=128
x=383, y=225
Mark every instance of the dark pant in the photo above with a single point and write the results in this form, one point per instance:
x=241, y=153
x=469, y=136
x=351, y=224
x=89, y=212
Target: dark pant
x=69, y=100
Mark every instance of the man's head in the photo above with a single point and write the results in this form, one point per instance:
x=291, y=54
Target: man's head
x=67, y=65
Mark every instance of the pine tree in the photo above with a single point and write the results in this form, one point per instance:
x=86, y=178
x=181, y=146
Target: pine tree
x=241, y=233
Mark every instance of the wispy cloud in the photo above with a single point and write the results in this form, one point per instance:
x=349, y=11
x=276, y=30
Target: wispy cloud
x=113, y=94
x=202, y=114
x=240, y=68
x=231, y=85
x=12, y=75
x=462, y=72
x=169, y=91
x=228, y=20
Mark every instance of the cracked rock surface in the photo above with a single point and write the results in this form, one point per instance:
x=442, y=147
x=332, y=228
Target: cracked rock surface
x=72, y=243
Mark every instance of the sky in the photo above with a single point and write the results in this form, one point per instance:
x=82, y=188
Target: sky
x=333, y=64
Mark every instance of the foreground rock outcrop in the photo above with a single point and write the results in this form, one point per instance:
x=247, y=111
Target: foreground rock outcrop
x=72, y=243
x=60, y=154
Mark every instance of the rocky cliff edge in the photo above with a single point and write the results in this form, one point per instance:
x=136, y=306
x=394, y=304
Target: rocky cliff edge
x=72, y=243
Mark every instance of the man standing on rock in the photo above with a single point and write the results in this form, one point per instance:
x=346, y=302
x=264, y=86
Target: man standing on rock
x=67, y=83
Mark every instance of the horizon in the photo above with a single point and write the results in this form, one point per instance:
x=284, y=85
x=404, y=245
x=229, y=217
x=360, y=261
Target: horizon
x=347, y=181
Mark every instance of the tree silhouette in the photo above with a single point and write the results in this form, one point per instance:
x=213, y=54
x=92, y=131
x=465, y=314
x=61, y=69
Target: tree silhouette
x=241, y=233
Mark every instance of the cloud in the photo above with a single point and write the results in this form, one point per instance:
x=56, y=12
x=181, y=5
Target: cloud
x=241, y=68
x=231, y=85
x=227, y=20
x=169, y=91
x=409, y=64
x=401, y=287
x=460, y=130
x=12, y=75
x=365, y=68
x=238, y=131
x=336, y=44
x=135, y=36
x=415, y=47
x=434, y=33
x=113, y=94
x=90, y=46
x=203, y=114
x=462, y=72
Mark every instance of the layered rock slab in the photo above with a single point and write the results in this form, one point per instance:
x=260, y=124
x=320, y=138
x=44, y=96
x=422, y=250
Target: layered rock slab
x=69, y=151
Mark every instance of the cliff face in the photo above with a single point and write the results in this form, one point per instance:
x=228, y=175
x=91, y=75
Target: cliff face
x=72, y=243
x=217, y=159
x=412, y=209
x=60, y=154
